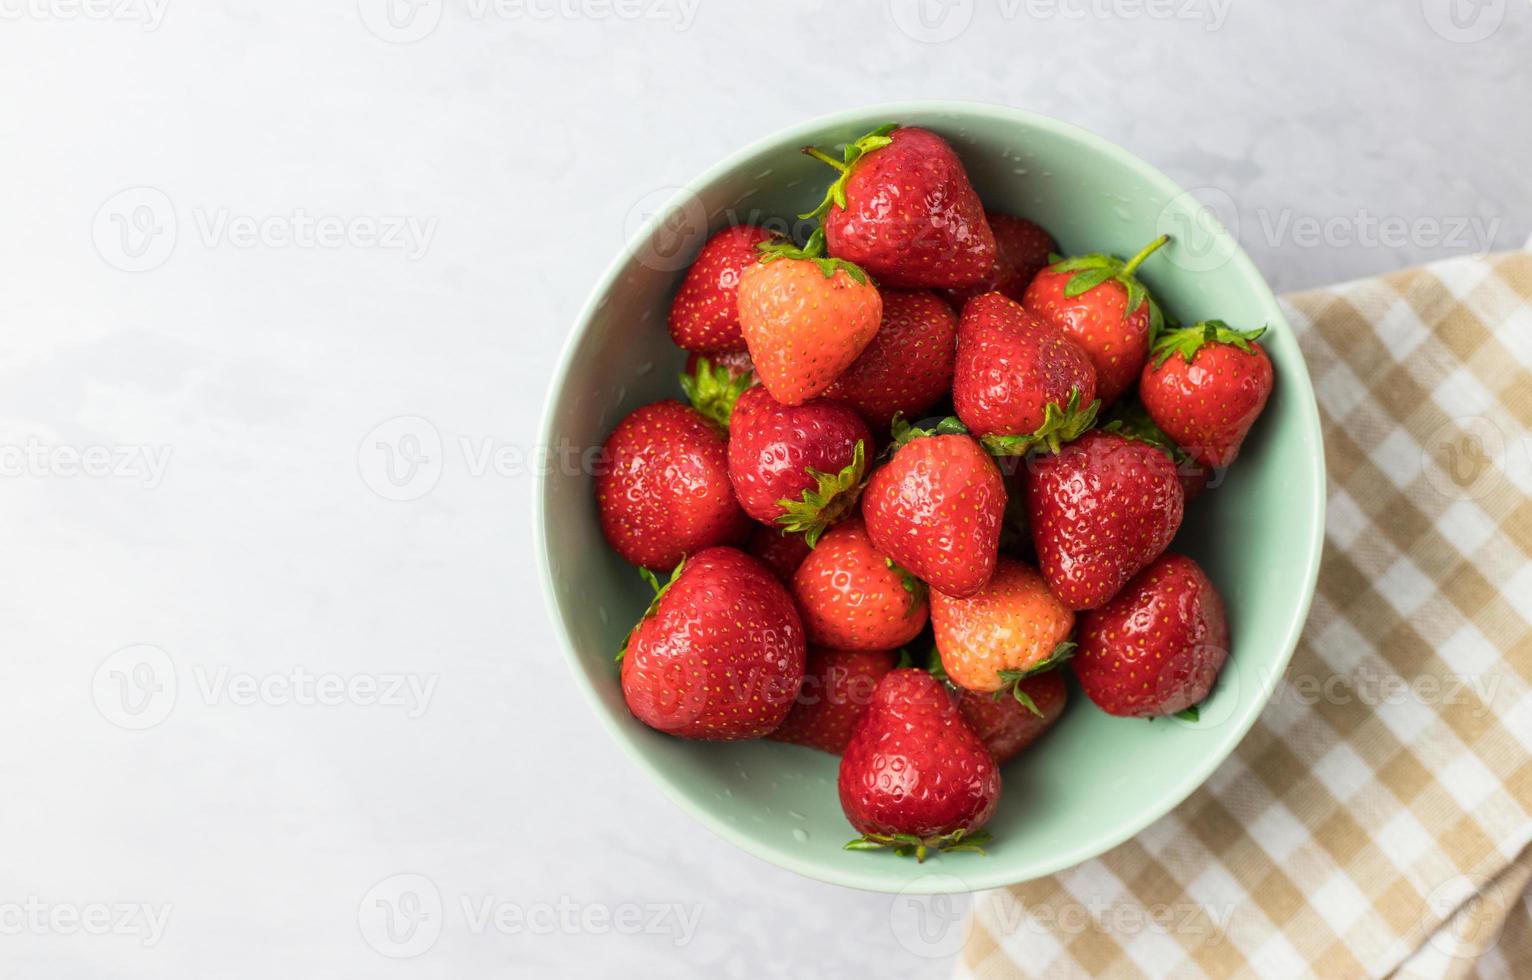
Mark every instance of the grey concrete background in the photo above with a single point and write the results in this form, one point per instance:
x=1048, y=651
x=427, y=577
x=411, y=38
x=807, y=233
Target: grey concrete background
x=252, y=248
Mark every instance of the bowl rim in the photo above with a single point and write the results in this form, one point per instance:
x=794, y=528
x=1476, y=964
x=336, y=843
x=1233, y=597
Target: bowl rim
x=986, y=873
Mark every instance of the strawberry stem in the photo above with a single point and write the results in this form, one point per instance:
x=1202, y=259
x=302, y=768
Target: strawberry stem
x=1143, y=254
x=824, y=157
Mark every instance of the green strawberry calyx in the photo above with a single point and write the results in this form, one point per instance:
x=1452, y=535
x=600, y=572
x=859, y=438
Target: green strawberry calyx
x=1096, y=268
x=1060, y=425
x=1012, y=678
x=1187, y=341
x=850, y=154
x=914, y=587
x=659, y=593
x=1189, y=714
x=1131, y=421
x=811, y=251
x=903, y=432
x=906, y=845
x=713, y=389
x=831, y=498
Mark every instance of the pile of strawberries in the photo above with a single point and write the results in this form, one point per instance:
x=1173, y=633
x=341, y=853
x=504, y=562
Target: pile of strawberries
x=905, y=595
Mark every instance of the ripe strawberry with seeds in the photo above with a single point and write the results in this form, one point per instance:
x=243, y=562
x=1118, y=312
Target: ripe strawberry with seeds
x=719, y=654
x=853, y=598
x=662, y=487
x=1157, y=648
x=1008, y=630
x=907, y=367
x=837, y=690
x=805, y=317
x=1205, y=386
x=936, y=507
x=779, y=550
x=1100, y=511
x=1019, y=382
x=1098, y=302
x=1007, y=722
x=704, y=316
x=914, y=777
x=902, y=208
x=1022, y=250
x=797, y=466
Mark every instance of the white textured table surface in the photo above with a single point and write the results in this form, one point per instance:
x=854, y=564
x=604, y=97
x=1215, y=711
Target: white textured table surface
x=238, y=688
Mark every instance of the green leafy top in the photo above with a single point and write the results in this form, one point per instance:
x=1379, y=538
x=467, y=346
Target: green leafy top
x=1096, y=268
x=903, y=432
x=1187, y=341
x=830, y=499
x=713, y=389
x=810, y=251
x=906, y=845
x=1013, y=678
x=1131, y=421
x=1060, y=425
x=836, y=193
x=659, y=593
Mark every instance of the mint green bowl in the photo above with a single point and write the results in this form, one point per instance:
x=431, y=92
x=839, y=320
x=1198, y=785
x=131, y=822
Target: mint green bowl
x=1094, y=781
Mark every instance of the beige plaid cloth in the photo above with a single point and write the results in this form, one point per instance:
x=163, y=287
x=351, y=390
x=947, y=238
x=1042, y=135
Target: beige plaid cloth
x=1376, y=820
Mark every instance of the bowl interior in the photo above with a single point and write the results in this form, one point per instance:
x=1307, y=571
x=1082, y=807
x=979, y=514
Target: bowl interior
x=1094, y=780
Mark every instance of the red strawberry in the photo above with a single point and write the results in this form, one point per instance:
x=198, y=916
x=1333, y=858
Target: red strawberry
x=663, y=487
x=805, y=318
x=914, y=777
x=936, y=508
x=704, y=316
x=1019, y=381
x=1130, y=419
x=903, y=209
x=908, y=366
x=837, y=690
x=1011, y=628
x=1156, y=648
x=1101, y=510
x=781, y=551
x=1100, y=304
x=853, y=598
x=798, y=466
x=719, y=654
x=1007, y=724
x=1021, y=252
x=1206, y=386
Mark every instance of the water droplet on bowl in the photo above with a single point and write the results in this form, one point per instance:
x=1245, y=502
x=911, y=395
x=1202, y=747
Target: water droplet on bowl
x=800, y=835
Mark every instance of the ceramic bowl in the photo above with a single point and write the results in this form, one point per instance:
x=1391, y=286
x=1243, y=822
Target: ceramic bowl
x=1094, y=781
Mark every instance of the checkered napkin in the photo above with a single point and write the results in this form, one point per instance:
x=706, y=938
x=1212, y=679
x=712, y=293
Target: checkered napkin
x=1376, y=820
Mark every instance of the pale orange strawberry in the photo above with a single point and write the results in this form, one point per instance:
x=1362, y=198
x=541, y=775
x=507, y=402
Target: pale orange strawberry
x=1012, y=627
